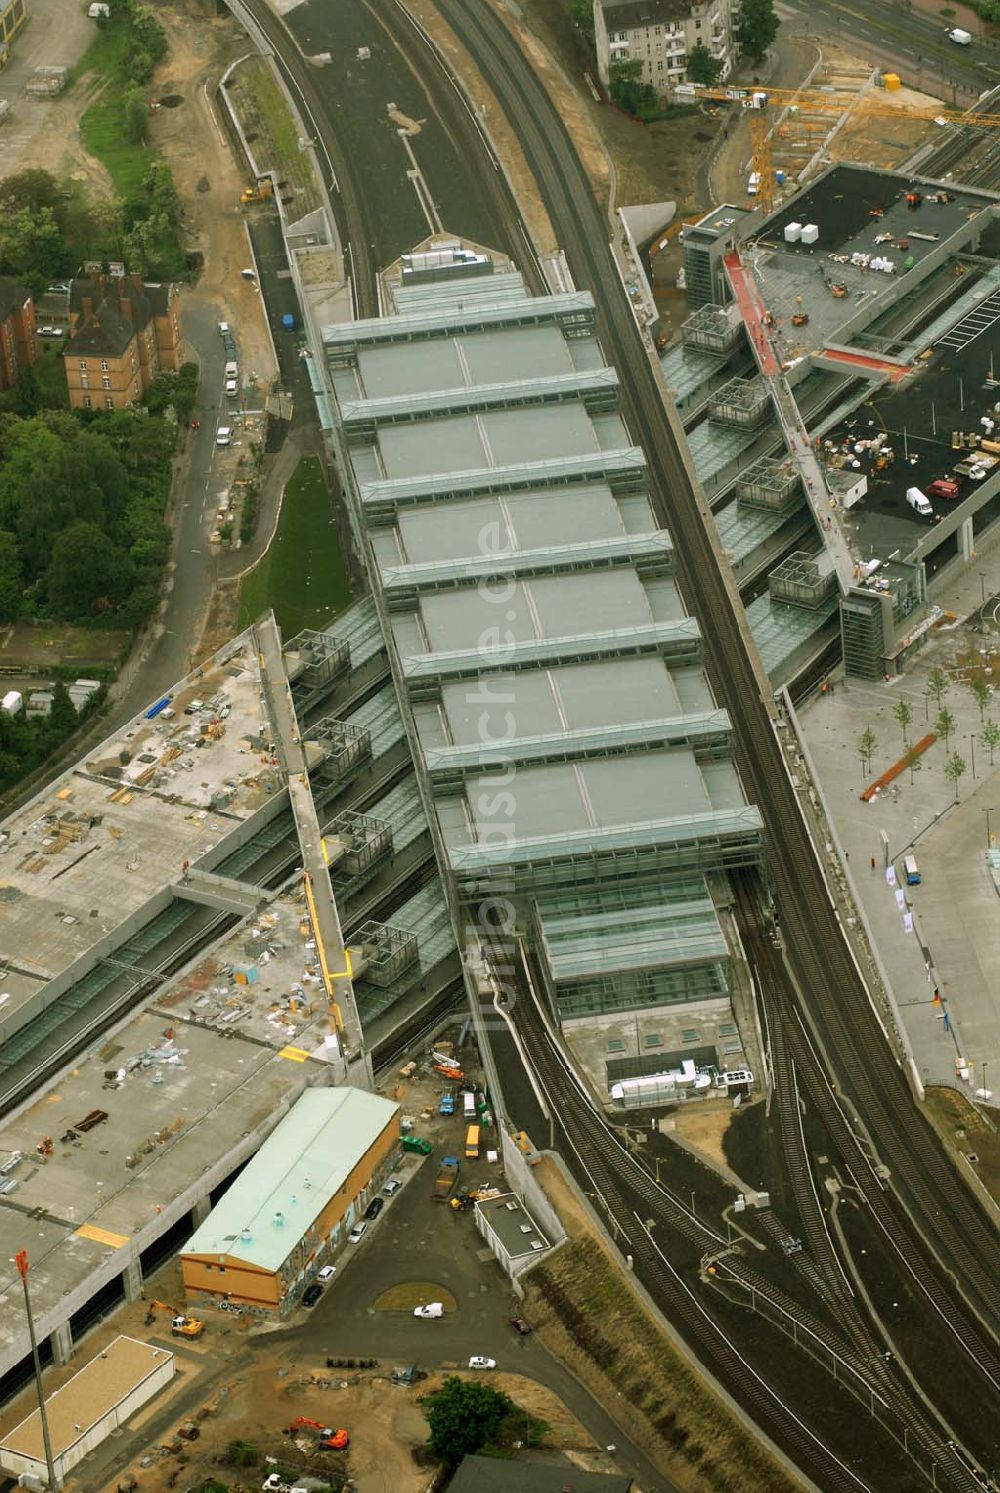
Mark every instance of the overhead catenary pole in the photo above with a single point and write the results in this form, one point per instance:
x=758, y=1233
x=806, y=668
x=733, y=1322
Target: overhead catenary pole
x=21, y=1261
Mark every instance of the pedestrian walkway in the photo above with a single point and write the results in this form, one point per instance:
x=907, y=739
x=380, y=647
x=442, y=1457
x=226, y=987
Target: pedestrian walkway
x=868, y=363
x=942, y=935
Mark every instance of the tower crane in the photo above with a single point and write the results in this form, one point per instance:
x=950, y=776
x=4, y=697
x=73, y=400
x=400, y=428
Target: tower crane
x=766, y=105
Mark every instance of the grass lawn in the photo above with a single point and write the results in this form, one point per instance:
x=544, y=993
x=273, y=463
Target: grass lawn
x=302, y=576
x=260, y=101
x=103, y=131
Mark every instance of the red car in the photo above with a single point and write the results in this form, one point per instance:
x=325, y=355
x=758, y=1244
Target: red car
x=942, y=487
x=520, y=1325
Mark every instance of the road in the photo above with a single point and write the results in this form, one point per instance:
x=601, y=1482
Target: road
x=906, y=41
x=417, y=1238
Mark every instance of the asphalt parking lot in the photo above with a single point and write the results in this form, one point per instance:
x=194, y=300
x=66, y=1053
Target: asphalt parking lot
x=416, y=1238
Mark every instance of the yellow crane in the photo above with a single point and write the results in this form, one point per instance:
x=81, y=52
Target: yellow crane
x=329, y=976
x=764, y=105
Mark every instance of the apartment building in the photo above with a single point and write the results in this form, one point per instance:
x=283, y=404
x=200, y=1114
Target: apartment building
x=18, y=344
x=660, y=34
x=124, y=333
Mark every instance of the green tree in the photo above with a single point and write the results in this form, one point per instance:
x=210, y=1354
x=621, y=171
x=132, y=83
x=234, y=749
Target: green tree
x=756, y=26
x=904, y=716
x=867, y=742
x=32, y=189
x=981, y=693
x=242, y=1454
x=944, y=725
x=136, y=115
x=581, y=15
x=954, y=769
x=628, y=91
x=464, y=1416
x=32, y=245
x=938, y=684
x=63, y=717
x=88, y=573
x=11, y=587
x=702, y=67
x=991, y=738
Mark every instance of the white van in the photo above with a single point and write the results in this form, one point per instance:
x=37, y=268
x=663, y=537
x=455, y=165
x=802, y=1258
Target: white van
x=469, y=1103
x=959, y=37
x=232, y=388
x=224, y=435
x=918, y=502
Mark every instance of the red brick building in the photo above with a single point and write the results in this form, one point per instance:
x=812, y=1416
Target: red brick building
x=18, y=343
x=123, y=334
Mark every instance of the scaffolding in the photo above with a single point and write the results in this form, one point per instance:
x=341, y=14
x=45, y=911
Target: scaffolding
x=355, y=843
x=799, y=582
x=386, y=951
x=316, y=659
x=711, y=329
x=743, y=402
x=342, y=747
x=769, y=483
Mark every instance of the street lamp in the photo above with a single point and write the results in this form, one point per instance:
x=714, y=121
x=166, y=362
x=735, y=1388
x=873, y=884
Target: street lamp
x=21, y=1261
x=972, y=751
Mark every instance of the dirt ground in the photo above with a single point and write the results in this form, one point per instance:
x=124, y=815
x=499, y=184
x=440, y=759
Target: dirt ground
x=208, y=177
x=967, y=1131
x=704, y=1130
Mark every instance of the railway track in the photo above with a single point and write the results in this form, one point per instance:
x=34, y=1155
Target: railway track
x=633, y=1200
x=945, y=1216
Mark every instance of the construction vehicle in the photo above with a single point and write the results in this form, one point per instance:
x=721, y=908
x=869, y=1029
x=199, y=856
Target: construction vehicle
x=418, y=1144
x=302, y=1421
x=446, y=1178
x=448, y=1070
x=339, y=1441
x=180, y=1325
x=261, y=191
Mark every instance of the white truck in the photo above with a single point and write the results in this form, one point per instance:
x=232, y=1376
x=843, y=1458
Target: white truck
x=959, y=37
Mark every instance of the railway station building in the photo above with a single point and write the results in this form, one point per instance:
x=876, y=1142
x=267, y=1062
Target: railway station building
x=580, y=770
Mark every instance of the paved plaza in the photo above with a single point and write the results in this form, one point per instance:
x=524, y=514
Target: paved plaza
x=944, y=934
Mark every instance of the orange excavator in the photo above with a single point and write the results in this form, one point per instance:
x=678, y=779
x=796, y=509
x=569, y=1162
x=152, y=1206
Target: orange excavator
x=330, y=1440
x=180, y=1325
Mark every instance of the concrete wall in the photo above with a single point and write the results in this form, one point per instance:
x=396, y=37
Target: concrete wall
x=521, y=1176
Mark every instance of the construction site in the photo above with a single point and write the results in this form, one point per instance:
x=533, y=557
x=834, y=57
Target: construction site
x=196, y=961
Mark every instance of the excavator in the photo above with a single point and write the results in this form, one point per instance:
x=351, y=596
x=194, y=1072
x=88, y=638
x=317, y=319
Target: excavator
x=329, y=1440
x=180, y=1325
x=261, y=191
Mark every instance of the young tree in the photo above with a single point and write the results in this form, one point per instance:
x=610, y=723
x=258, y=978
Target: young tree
x=464, y=1416
x=757, y=26
x=945, y=725
x=62, y=717
x=136, y=116
x=991, y=738
x=938, y=684
x=904, y=716
x=867, y=742
x=702, y=67
x=954, y=769
x=981, y=693
x=581, y=14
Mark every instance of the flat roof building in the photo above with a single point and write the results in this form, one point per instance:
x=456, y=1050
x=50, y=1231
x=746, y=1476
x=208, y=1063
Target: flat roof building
x=294, y=1202
x=87, y=1409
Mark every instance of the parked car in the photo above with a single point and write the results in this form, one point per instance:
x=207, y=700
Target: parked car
x=374, y=1208
x=232, y=387
x=478, y=1362
x=392, y=1187
x=942, y=487
x=224, y=435
x=327, y=1273
x=357, y=1233
x=51, y=331
x=433, y=1309
x=520, y=1325
x=311, y=1294
x=249, y=274
x=418, y=1144
x=223, y=329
